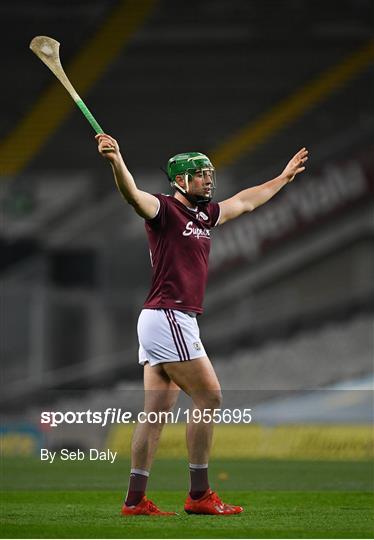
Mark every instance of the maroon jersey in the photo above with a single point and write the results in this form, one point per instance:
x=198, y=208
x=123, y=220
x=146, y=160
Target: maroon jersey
x=179, y=242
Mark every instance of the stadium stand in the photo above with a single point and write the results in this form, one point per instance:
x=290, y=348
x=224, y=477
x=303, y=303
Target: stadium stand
x=296, y=287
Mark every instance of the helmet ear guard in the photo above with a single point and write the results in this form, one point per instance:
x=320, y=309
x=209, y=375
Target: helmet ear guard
x=176, y=185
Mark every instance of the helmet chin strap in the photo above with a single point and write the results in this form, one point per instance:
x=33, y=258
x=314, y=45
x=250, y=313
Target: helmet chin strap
x=193, y=199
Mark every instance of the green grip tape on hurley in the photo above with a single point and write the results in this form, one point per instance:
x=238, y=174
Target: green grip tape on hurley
x=88, y=114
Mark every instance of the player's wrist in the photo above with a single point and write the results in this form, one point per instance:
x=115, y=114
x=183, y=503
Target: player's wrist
x=286, y=177
x=117, y=160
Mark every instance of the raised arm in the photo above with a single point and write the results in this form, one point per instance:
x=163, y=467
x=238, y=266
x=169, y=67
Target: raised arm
x=144, y=204
x=249, y=199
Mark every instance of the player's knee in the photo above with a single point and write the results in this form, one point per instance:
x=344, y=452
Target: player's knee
x=162, y=411
x=165, y=407
x=211, y=399
x=215, y=400
x=160, y=402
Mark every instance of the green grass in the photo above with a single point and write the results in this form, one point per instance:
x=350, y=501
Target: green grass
x=95, y=514
x=281, y=500
x=172, y=475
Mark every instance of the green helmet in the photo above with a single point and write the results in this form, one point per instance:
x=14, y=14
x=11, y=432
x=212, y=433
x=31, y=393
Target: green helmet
x=186, y=165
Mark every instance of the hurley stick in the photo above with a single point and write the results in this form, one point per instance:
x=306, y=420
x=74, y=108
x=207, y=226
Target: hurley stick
x=47, y=49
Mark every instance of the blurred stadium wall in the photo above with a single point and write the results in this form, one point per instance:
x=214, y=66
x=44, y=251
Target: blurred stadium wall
x=290, y=301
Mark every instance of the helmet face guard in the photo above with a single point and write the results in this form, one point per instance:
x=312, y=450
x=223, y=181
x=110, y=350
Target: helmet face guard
x=189, y=165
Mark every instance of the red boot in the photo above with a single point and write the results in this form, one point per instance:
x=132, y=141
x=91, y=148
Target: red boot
x=144, y=508
x=210, y=503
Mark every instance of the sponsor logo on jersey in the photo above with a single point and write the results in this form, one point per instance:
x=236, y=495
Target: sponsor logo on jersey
x=190, y=230
x=203, y=216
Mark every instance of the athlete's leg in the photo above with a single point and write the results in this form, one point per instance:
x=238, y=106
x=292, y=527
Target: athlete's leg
x=199, y=380
x=161, y=394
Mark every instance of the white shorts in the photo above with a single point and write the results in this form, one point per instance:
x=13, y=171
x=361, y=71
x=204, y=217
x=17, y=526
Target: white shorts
x=168, y=335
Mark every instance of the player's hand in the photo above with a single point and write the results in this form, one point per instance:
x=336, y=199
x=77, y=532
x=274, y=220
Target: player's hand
x=296, y=165
x=107, y=146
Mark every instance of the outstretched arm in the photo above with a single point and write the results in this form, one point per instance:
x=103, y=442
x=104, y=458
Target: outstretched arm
x=144, y=204
x=249, y=199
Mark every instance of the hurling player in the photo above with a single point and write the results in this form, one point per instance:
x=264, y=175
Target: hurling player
x=170, y=349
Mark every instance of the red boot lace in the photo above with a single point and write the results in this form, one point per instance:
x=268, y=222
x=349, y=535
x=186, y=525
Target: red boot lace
x=216, y=499
x=151, y=506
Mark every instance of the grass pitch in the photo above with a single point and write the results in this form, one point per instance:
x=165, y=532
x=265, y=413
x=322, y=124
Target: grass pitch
x=281, y=499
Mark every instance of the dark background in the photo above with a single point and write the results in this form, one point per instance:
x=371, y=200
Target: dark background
x=289, y=304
